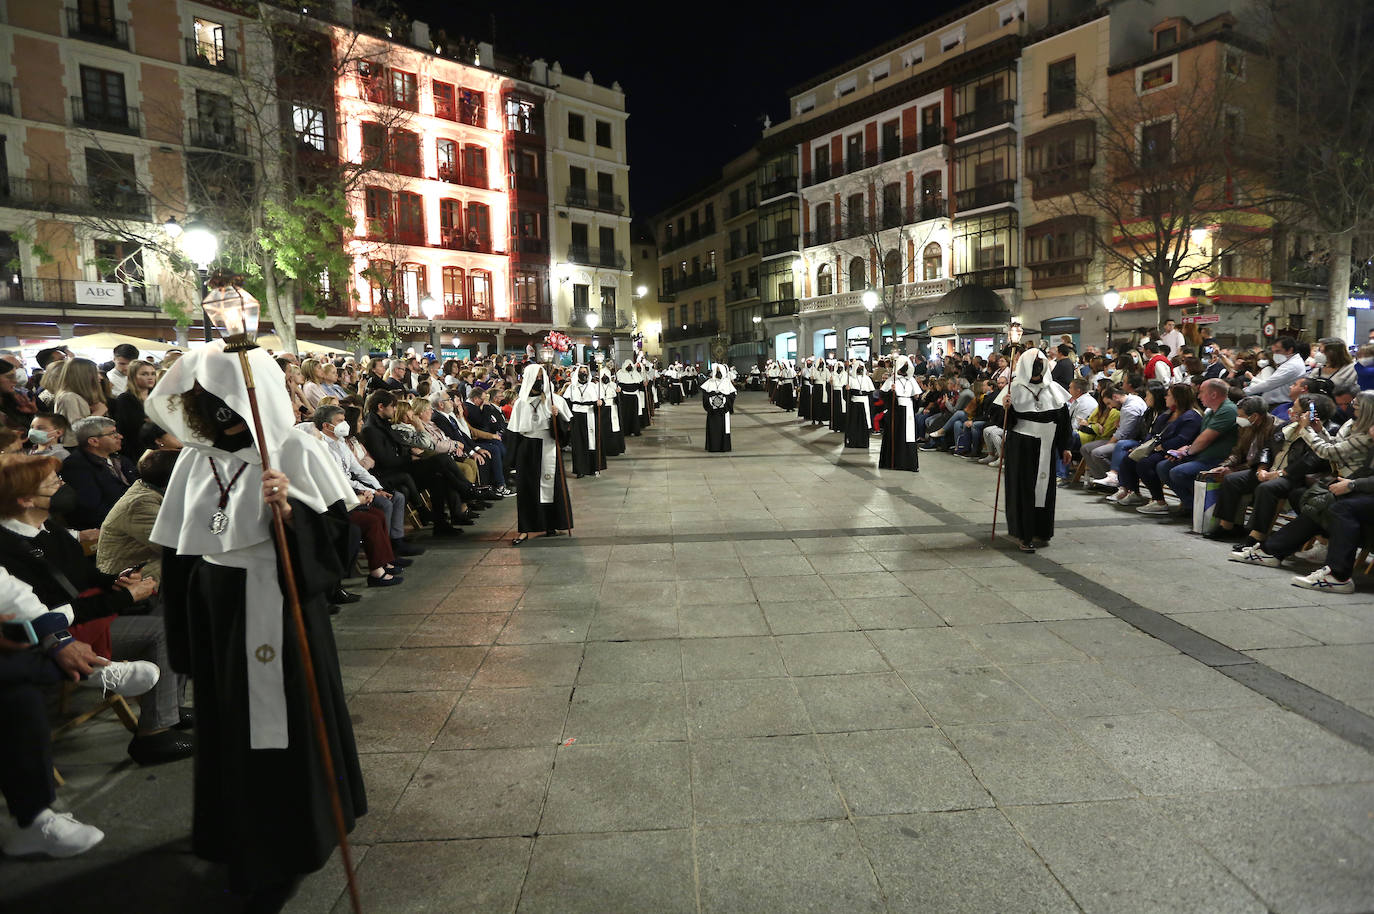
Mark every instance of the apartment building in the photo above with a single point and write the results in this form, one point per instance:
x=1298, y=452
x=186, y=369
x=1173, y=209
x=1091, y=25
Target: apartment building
x=691, y=253
x=647, y=319
x=589, y=175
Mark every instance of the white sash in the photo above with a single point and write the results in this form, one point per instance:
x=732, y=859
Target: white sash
x=910, y=419
x=1044, y=431
x=839, y=400
x=548, y=467
x=863, y=398
x=615, y=414
x=586, y=408
x=262, y=637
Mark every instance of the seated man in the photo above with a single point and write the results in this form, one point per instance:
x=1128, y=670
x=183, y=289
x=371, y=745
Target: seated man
x=400, y=466
x=330, y=420
x=96, y=470
x=49, y=435
x=126, y=534
x=1208, y=449
x=486, y=424
x=1284, y=411
x=1104, y=458
x=27, y=670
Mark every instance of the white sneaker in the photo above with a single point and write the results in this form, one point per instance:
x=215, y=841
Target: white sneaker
x=1109, y=481
x=1254, y=555
x=1322, y=579
x=1316, y=555
x=1115, y=497
x=126, y=677
x=1133, y=500
x=1153, y=508
x=55, y=834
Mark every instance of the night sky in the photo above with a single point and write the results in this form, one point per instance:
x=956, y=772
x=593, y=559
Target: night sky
x=698, y=77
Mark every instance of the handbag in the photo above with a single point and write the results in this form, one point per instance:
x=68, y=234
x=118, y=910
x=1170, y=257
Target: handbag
x=1144, y=449
x=1206, y=490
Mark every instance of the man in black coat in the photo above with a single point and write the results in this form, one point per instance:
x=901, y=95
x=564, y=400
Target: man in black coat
x=1063, y=372
x=98, y=473
x=399, y=468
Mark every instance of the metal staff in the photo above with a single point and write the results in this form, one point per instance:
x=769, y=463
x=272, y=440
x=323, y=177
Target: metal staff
x=241, y=344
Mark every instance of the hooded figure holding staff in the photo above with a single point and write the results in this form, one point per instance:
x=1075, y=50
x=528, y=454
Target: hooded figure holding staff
x=541, y=496
x=1038, y=430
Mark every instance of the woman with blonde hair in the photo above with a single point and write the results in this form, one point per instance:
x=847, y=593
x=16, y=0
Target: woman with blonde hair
x=299, y=409
x=82, y=391
x=129, y=413
x=312, y=389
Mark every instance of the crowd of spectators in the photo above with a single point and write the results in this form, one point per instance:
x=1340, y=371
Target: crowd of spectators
x=1285, y=430
x=83, y=472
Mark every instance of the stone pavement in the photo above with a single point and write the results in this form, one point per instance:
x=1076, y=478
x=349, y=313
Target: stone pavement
x=777, y=680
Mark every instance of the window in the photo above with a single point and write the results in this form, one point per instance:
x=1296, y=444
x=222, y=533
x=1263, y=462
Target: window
x=209, y=41
x=892, y=205
x=582, y=297
x=381, y=278
x=309, y=124
x=479, y=227
x=528, y=223
x=609, y=256
x=443, y=101
x=374, y=145
x=880, y=71
x=527, y=288
x=932, y=261
x=1166, y=38
x=404, y=90
x=520, y=116
x=1233, y=63
x=405, y=153
x=475, y=166
x=987, y=243
x=455, y=289
x=1156, y=204
x=472, y=107
x=1156, y=144
x=377, y=202
x=577, y=127
x=858, y=274
x=983, y=172
x=854, y=152
x=608, y=305
x=1232, y=127
x=447, y=154
x=710, y=308
x=854, y=214
x=825, y=280
x=410, y=218
x=370, y=82
x=1058, y=250
x=577, y=177
x=952, y=39
x=846, y=87
x=479, y=294
x=1061, y=86
x=1155, y=76
x=451, y=223
x=412, y=287
x=891, y=139
x=696, y=312
x=97, y=17
x=892, y=268
x=1060, y=160
x=824, y=224
x=603, y=134
x=806, y=104
x=912, y=56
x=102, y=96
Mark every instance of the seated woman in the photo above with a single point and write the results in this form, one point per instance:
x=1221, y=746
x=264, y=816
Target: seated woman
x=1258, y=443
x=1175, y=426
x=969, y=434
x=48, y=557
x=451, y=484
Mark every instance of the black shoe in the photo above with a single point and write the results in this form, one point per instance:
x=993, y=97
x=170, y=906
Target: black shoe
x=167, y=746
x=401, y=562
x=341, y=596
x=187, y=719
x=1245, y=542
x=384, y=581
x=1222, y=535
x=467, y=520
x=402, y=548
x=444, y=531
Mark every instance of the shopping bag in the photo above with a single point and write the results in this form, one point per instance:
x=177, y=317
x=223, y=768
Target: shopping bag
x=1205, y=491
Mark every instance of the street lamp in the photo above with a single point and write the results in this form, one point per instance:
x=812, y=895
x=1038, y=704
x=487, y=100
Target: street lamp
x=593, y=319
x=199, y=243
x=641, y=291
x=1014, y=332
x=870, y=300
x=1111, y=300
x=430, y=307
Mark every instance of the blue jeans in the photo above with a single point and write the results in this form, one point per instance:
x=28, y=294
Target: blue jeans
x=1119, y=453
x=497, y=460
x=955, y=427
x=968, y=439
x=1180, y=477
x=393, y=508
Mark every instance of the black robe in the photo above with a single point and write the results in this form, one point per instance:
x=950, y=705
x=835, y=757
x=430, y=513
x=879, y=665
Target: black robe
x=820, y=403
x=587, y=457
x=675, y=387
x=532, y=515
x=838, y=408
x=785, y=394
x=856, y=419
x=717, y=438
x=897, y=453
x=612, y=442
x=629, y=408
x=1021, y=454
x=265, y=812
x=803, y=392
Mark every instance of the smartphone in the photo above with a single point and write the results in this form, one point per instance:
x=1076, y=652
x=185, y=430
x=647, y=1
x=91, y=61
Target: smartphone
x=1312, y=412
x=21, y=632
x=131, y=570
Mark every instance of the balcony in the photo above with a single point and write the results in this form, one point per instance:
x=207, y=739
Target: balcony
x=742, y=250
x=472, y=115
x=26, y=193
x=531, y=312
x=823, y=235
x=740, y=293
x=907, y=293
x=608, y=319
x=529, y=246
x=209, y=56
x=993, y=278
x=780, y=245
x=473, y=242
x=586, y=198
x=90, y=26
x=702, y=230
x=6, y=99
x=691, y=280
x=208, y=134
x=990, y=194
x=781, y=308
x=1052, y=274
x=782, y=184
x=104, y=116
x=468, y=178
x=597, y=257
x=529, y=184
x=984, y=117
x=45, y=293
x=691, y=331
x=933, y=136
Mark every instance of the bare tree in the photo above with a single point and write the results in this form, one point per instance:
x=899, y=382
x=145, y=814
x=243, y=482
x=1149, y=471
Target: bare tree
x=875, y=227
x=1176, y=198
x=1326, y=125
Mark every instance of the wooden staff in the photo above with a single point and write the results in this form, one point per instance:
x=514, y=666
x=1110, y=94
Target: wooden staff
x=1002, y=452
x=293, y=602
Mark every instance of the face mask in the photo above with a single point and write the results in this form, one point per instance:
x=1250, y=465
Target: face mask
x=341, y=429
x=1243, y=422
x=1262, y=363
x=63, y=501
x=1319, y=359
x=21, y=377
x=1280, y=358
x=38, y=436
x=1367, y=361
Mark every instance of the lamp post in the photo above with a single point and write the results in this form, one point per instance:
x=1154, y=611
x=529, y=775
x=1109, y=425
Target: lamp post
x=870, y=300
x=201, y=245
x=1111, y=300
x=1014, y=331
x=593, y=320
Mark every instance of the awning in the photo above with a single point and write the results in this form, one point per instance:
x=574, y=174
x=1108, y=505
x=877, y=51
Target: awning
x=103, y=341
x=968, y=309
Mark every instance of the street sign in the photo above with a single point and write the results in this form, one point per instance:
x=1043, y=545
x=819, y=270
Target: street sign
x=1269, y=328
x=1201, y=318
